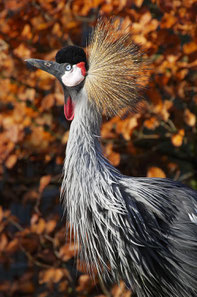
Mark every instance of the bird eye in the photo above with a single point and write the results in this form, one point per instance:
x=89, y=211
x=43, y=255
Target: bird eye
x=68, y=67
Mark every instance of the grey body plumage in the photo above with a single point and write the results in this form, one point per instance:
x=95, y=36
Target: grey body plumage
x=141, y=230
x=139, y=227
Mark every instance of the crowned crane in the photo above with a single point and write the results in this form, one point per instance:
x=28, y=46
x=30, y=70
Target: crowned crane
x=140, y=230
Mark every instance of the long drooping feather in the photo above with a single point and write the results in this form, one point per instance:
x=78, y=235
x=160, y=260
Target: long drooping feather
x=115, y=68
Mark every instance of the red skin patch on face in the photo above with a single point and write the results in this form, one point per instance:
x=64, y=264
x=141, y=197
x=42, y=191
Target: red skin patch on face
x=81, y=65
x=69, y=109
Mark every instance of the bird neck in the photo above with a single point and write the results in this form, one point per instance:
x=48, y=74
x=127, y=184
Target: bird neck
x=84, y=136
x=88, y=183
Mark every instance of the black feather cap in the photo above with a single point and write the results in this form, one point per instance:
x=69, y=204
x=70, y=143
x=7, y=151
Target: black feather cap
x=71, y=54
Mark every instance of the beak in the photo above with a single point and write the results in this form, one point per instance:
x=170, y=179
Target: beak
x=48, y=66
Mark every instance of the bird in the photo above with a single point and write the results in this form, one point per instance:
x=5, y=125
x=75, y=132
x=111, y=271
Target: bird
x=137, y=229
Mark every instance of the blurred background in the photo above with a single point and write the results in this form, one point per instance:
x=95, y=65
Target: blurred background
x=160, y=141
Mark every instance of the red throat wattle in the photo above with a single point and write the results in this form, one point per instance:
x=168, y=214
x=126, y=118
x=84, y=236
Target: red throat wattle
x=81, y=65
x=69, y=109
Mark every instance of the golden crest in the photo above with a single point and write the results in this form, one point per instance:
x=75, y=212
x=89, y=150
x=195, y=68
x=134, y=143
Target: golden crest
x=115, y=67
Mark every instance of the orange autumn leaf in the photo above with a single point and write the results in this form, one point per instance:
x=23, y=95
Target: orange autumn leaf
x=167, y=104
x=155, y=172
x=22, y=52
x=50, y=226
x=3, y=242
x=151, y=123
x=138, y=3
x=126, y=127
x=182, y=73
x=189, y=118
x=172, y=166
x=59, y=160
x=39, y=227
x=53, y=275
x=14, y=4
x=28, y=94
x=67, y=251
x=12, y=130
x=85, y=283
x=59, y=273
x=12, y=246
x=168, y=20
x=48, y=101
x=44, y=181
x=107, y=8
x=190, y=47
x=26, y=33
x=155, y=96
x=11, y=161
x=63, y=286
x=113, y=157
x=177, y=139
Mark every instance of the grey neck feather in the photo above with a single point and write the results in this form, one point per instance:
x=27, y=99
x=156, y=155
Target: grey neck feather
x=85, y=129
x=94, y=195
x=87, y=186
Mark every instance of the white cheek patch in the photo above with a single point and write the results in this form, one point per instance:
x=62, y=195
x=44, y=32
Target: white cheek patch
x=73, y=77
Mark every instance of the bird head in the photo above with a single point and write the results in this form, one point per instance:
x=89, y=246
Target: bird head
x=70, y=69
x=112, y=77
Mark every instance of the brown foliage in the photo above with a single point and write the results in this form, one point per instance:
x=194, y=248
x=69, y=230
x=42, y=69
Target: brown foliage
x=159, y=141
